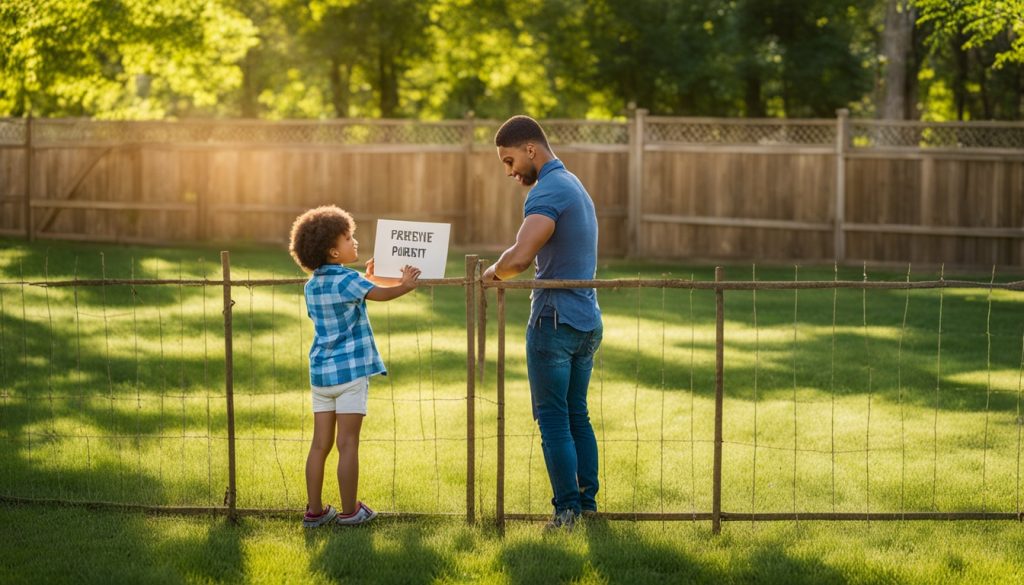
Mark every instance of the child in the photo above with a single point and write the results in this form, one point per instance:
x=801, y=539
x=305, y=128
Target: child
x=343, y=355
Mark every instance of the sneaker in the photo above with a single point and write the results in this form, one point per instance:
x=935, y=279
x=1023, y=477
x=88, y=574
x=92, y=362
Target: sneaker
x=564, y=520
x=315, y=520
x=362, y=515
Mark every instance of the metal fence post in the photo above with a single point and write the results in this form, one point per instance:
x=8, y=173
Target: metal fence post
x=499, y=505
x=471, y=277
x=481, y=325
x=230, y=497
x=716, y=493
x=29, y=232
x=842, y=140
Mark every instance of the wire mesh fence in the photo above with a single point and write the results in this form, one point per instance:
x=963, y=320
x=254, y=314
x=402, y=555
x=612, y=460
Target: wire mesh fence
x=116, y=390
x=837, y=398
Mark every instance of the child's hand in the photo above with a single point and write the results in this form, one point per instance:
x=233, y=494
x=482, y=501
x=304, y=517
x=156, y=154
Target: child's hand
x=410, y=276
x=369, y=268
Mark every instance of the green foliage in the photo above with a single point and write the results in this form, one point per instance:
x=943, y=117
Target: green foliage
x=120, y=59
x=974, y=65
x=550, y=58
x=978, y=23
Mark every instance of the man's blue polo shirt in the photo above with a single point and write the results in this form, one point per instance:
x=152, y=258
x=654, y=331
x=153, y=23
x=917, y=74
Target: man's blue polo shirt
x=571, y=253
x=343, y=349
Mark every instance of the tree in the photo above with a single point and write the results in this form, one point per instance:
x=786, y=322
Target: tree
x=979, y=22
x=900, y=66
x=981, y=42
x=119, y=58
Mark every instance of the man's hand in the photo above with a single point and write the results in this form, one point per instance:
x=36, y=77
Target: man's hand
x=489, y=275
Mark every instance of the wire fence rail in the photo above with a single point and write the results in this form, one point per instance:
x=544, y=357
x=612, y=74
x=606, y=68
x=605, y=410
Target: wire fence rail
x=155, y=437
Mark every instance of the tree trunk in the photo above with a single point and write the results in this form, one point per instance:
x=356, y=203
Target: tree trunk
x=983, y=69
x=1020, y=94
x=898, y=48
x=249, y=89
x=339, y=77
x=960, y=75
x=388, y=84
x=752, y=84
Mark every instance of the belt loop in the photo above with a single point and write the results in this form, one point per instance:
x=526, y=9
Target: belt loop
x=556, y=317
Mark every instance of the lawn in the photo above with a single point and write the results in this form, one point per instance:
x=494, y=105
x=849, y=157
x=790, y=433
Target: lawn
x=108, y=547
x=847, y=401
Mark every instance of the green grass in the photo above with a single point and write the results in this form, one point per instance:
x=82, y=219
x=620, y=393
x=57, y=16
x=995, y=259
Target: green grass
x=105, y=547
x=109, y=394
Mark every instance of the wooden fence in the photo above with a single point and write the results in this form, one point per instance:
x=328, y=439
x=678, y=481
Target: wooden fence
x=672, y=188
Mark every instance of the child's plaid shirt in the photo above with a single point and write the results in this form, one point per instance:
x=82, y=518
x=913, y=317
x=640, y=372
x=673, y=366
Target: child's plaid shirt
x=343, y=348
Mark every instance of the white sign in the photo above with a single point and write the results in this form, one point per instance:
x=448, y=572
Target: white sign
x=419, y=244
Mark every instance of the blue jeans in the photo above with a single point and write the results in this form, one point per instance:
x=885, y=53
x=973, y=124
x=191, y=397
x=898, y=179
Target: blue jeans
x=559, y=360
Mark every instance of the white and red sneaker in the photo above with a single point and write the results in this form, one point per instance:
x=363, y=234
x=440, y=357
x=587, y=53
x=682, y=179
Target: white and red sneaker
x=362, y=515
x=316, y=520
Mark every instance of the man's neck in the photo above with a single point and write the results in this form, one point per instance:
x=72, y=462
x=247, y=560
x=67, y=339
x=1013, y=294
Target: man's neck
x=543, y=157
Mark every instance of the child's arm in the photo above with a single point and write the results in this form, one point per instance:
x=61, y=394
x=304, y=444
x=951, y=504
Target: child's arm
x=392, y=287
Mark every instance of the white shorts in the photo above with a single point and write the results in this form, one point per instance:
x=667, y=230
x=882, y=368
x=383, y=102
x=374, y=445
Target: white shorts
x=347, y=398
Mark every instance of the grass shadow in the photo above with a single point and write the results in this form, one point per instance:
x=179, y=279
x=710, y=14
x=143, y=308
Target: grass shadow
x=383, y=552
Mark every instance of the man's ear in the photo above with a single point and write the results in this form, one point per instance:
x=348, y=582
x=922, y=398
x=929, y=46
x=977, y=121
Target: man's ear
x=531, y=150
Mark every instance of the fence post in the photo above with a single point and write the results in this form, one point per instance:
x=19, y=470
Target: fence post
x=842, y=142
x=481, y=326
x=467, y=177
x=29, y=231
x=231, y=496
x=636, y=182
x=716, y=491
x=471, y=277
x=499, y=505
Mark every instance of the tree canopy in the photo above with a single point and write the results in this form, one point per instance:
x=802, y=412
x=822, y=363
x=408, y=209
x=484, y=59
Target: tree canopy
x=433, y=59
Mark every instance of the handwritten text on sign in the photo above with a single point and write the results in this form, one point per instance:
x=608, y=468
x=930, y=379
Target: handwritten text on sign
x=420, y=244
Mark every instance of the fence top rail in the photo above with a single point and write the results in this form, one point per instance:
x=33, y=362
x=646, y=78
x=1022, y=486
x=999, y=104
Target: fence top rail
x=245, y=283
x=865, y=134
x=564, y=284
x=925, y=124
x=741, y=121
x=754, y=285
x=70, y=121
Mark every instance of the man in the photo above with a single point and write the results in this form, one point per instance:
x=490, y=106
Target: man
x=559, y=231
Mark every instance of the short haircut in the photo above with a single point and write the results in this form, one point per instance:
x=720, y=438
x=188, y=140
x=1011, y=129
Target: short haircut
x=518, y=130
x=315, y=232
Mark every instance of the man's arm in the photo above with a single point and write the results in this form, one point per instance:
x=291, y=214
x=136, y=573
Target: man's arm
x=533, y=234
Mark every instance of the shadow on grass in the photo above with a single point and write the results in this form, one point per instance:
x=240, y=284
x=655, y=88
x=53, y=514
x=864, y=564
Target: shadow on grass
x=385, y=552
x=215, y=558
x=773, y=563
x=621, y=553
x=111, y=547
x=550, y=560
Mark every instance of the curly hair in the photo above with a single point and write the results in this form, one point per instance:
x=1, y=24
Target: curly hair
x=519, y=130
x=315, y=232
